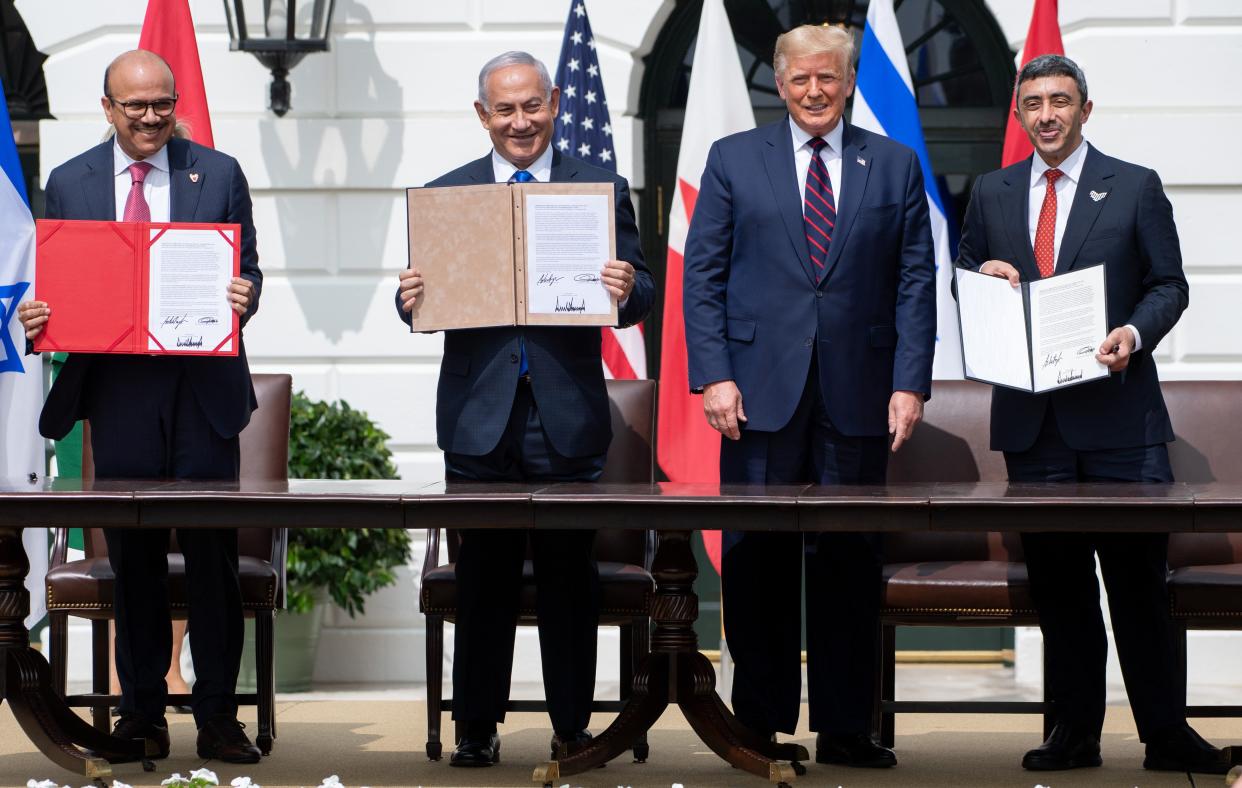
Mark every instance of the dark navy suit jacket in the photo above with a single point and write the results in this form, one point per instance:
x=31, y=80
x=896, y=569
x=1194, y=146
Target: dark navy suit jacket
x=1131, y=230
x=753, y=311
x=84, y=188
x=479, y=372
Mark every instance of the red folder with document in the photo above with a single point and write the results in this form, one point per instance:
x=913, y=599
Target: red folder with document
x=137, y=287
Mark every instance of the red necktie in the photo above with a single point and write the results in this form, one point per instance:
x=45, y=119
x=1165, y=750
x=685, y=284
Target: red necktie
x=1046, y=230
x=819, y=209
x=136, y=208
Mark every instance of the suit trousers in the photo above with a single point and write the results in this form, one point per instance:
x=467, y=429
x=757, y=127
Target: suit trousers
x=1067, y=594
x=489, y=579
x=147, y=424
x=762, y=580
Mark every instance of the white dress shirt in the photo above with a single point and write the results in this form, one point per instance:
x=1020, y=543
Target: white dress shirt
x=1065, y=188
x=540, y=169
x=155, y=188
x=831, y=156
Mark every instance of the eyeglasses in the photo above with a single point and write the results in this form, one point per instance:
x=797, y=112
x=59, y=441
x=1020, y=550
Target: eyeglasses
x=138, y=109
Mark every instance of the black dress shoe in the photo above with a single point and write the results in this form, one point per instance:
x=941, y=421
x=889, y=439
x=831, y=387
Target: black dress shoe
x=1181, y=749
x=852, y=749
x=476, y=751
x=135, y=726
x=1067, y=747
x=572, y=742
x=222, y=739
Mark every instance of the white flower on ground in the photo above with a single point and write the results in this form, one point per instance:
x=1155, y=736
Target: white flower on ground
x=331, y=781
x=204, y=777
x=119, y=784
x=176, y=781
x=41, y=784
x=244, y=782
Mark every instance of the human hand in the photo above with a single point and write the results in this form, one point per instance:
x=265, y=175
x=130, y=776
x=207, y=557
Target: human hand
x=618, y=277
x=722, y=404
x=905, y=410
x=1003, y=270
x=1116, y=348
x=410, y=287
x=239, y=294
x=33, y=315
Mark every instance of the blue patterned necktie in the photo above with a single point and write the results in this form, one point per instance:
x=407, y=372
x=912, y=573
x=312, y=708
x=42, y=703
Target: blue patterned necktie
x=522, y=176
x=819, y=208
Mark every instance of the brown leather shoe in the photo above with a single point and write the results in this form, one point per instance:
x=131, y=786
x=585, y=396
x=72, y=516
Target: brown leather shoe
x=223, y=739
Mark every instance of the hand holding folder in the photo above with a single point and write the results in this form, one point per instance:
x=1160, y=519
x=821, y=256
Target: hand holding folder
x=138, y=287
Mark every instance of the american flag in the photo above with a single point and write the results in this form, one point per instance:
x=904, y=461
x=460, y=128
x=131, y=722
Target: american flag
x=584, y=131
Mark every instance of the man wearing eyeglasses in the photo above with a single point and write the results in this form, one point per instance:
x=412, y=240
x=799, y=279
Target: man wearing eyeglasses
x=161, y=416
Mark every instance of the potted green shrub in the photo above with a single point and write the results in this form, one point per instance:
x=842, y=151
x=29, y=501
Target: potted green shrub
x=331, y=441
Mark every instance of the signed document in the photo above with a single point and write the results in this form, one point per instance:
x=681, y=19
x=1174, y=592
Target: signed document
x=1037, y=337
x=189, y=272
x=512, y=255
x=566, y=246
x=138, y=287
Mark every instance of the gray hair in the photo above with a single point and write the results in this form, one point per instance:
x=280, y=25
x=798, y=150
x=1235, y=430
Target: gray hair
x=813, y=40
x=513, y=58
x=1054, y=66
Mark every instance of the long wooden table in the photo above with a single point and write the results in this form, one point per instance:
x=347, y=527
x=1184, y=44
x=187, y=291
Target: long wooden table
x=675, y=672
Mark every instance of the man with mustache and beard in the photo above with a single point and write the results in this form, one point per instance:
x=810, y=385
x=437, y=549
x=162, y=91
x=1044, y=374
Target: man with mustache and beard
x=1067, y=206
x=156, y=417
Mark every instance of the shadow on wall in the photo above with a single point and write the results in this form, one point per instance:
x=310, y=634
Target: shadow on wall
x=337, y=310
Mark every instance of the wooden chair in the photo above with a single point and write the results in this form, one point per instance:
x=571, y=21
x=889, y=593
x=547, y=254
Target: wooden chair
x=624, y=559
x=84, y=588
x=1205, y=569
x=975, y=579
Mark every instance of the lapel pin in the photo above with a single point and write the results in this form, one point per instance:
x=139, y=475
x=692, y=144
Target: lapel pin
x=194, y=179
x=1097, y=196
x=862, y=162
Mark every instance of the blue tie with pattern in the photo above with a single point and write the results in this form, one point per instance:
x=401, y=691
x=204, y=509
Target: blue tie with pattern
x=522, y=176
x=819, y=208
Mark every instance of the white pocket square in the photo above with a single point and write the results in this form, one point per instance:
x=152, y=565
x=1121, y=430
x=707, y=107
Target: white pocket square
x=1097, y=196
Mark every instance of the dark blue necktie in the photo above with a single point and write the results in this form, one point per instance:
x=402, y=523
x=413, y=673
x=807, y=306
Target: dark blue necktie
x=819, y=208
x=522, y=176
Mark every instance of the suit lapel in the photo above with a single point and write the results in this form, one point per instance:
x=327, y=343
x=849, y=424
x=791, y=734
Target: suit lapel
x=854, y=175
x=563, y=168
x=1084, y=211
x=1015, y=207
x=99, y=184
x=481, y=170
x=185, y=181
x=778, y=160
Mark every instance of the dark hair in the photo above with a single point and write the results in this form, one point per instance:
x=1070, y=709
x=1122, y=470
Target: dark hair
x=108, y=70
x=1054, y=66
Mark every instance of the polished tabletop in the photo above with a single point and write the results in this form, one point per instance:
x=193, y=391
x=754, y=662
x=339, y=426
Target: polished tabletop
x=317, y=503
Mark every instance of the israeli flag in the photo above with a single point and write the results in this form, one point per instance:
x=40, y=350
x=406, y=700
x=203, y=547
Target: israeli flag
x=21, y=376
x=884, y=103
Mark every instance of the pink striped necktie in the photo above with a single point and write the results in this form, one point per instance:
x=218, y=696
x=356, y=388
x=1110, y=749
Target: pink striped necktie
x=819, y=208
x=136, y=208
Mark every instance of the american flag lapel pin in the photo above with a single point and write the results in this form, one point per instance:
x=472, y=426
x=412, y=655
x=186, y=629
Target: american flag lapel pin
x=194, y=177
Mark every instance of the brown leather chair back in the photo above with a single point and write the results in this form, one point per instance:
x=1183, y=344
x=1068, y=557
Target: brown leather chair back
x=264, y=457
x=1207, y=449
x=631, y=459
x=951, y=445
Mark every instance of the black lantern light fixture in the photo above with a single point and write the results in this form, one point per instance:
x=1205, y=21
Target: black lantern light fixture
x=290, y=31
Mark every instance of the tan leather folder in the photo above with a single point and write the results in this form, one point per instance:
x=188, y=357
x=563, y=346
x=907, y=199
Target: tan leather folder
x=469, y=243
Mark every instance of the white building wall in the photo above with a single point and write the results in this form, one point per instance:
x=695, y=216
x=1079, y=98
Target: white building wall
x=390, y=107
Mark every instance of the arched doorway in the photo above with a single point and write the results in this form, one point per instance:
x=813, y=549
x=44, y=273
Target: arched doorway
x=25, y=91
x=961, y=64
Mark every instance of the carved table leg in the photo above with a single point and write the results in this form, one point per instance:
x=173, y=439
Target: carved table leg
x=42, y=714
x=675, y=672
